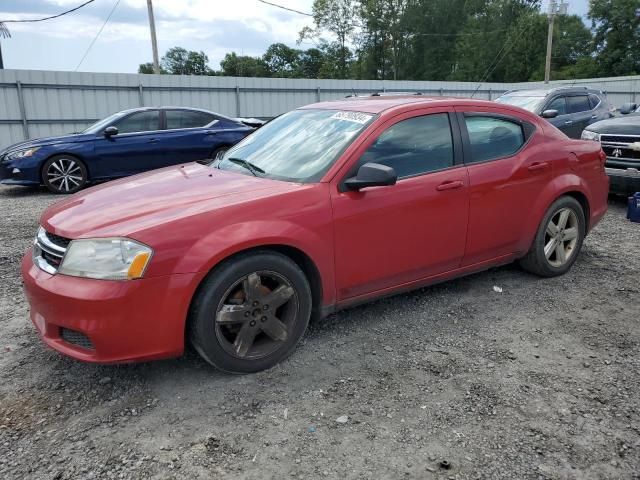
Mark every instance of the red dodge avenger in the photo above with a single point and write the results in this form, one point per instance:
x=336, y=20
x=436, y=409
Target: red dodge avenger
x=327, y=206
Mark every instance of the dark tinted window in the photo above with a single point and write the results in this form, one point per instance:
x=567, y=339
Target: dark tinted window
x=414, y=146
x=578, y=103
x=558, y=104
x=493, y=138
x=187, y=119
x=594, y=100
x=140, y=122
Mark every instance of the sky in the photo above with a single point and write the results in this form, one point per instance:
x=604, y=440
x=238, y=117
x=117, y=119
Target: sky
x=214, y=26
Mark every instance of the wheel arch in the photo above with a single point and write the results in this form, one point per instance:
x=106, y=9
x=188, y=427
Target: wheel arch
x=295, y=254
x=568, y=185
x=57, y=154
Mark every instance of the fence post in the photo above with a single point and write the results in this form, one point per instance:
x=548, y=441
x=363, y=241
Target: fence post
x=490, y=95
x=23, y=114
x=237, y=101
x=317, y=94
x=140, y=96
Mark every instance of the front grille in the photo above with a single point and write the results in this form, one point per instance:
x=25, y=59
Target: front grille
x=49, y=250
x=58, y=240
x=76, y=338
x=623, y=153
x=619, y=139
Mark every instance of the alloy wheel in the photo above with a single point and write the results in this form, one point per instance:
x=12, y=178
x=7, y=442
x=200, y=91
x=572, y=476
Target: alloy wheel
x=65, y=175
x=561, y=237
x=256, y=315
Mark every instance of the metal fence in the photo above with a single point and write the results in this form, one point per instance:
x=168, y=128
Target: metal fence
x=37, y=103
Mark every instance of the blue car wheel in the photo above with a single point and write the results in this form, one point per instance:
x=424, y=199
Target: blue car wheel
x=64, y=174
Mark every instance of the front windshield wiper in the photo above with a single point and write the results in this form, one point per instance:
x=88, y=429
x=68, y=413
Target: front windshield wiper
x=254, y=169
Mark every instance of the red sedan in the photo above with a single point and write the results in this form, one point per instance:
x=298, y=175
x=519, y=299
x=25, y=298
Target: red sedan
x=325, y=207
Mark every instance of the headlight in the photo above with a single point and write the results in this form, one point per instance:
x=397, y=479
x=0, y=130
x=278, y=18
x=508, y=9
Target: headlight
x=22, y=153
x=106, y=259
x=589, y=135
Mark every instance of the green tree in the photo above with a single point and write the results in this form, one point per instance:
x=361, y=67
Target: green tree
x=179, y=61
x=234, y=65
x=616, y=27
x=148, y=68
x=282, y=61
x=335, y=16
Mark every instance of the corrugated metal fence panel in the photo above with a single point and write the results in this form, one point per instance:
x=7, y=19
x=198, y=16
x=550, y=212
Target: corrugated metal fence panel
x=60, y=102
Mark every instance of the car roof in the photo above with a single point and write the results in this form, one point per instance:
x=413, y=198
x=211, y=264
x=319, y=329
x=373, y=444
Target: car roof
x=379, y=104
x=169, y=107
x=543, y=92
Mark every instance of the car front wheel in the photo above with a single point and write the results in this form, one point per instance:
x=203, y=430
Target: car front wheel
x=558, y=239
x=251, y=312
x=64, y=174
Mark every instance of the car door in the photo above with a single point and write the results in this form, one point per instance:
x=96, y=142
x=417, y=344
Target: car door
x=389, y=236
x=137, y=147
x=189, y=135
x=563, y=120
x=507, y=167
x=581, y=114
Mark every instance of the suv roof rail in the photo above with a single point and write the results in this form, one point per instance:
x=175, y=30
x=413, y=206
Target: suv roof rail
x=572, y=86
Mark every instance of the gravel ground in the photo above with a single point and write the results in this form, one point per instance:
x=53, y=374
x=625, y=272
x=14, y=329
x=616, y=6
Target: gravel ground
x=455, y=381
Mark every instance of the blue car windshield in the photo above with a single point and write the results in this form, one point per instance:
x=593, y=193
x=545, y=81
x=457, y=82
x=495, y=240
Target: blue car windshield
x=299, y=146
x=100, y=125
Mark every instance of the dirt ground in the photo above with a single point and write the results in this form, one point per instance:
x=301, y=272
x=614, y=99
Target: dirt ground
x=455, y=381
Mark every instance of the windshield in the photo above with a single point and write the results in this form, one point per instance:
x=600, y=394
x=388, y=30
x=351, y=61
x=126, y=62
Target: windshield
x=528, y=103
x=102, y=124
x=298, y=146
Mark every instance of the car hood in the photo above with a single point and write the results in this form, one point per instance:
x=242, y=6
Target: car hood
x=627, y=125
x=41, y=142
x=141, y=202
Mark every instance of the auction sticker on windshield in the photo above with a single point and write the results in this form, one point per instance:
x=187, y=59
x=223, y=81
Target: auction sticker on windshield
x=356, y=117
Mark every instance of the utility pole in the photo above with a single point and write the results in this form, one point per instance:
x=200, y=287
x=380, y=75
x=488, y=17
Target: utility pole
x=555, y=8
x=4, y=33
x=154, y=41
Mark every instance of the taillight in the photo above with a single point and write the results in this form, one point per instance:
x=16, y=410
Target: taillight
x=603, y=158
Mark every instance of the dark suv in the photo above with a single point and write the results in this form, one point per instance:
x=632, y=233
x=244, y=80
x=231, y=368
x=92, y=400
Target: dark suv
x=570, y=109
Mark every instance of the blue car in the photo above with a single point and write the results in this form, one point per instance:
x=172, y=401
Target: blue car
x=125, y=143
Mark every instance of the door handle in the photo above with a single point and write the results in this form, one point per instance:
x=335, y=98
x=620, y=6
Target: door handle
x=450, y=185
x=593, y=117
x=153, y=140
x=534, y=167
x=568, y=122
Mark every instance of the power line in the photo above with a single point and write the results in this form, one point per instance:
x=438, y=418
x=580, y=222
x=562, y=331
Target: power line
x=115, y=5
x=286, y=8
x=48, y=18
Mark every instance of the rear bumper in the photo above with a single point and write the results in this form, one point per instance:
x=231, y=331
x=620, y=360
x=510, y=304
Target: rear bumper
x=624, y=181
x=124, y=321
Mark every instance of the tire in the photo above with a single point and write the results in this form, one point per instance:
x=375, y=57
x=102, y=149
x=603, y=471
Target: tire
x=218, y=151
x=552, y=262
x=234, y=330
x=64, y=174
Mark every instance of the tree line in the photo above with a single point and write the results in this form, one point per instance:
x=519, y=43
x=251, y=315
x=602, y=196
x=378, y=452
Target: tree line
x=464, y=40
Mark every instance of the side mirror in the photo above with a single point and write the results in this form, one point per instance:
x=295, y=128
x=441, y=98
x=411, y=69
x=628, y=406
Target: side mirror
x=110, y=131
x=627, y=108
x=372, y=175
x=550, y=114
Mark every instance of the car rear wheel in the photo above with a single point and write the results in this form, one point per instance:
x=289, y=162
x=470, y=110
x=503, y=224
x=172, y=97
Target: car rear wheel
x=251, y=312
x=558, y=239
x=64, y=174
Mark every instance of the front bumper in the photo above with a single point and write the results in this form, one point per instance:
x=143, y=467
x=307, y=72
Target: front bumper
x=12, y=174
x=623, y=180
x=124, y=321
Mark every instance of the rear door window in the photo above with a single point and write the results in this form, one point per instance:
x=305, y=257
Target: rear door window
x=187, y=119
x=579, y=103
x=492, y=138
x=594, y=100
